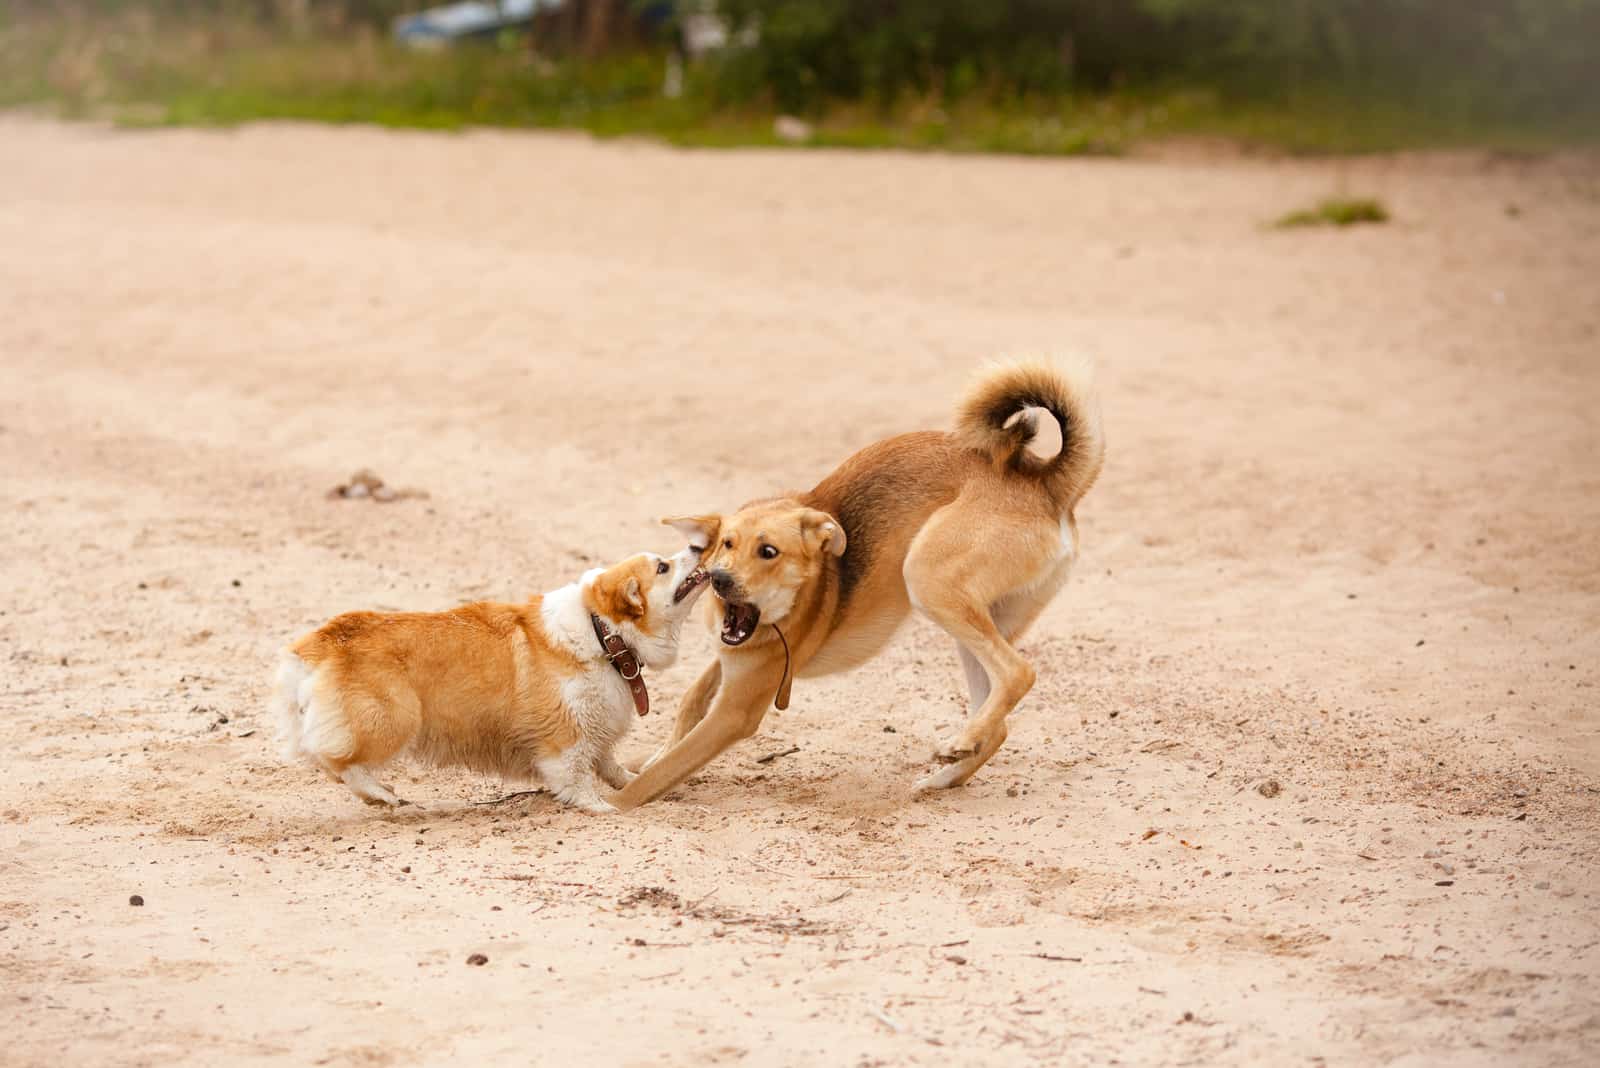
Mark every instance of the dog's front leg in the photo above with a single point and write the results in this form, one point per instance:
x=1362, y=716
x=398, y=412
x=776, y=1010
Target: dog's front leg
x=615, y=775
x=697, y=701
x=693, y=709
x=748, y=685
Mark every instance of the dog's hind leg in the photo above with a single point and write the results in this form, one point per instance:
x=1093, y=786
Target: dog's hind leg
x=354, y=733
x=985, y=731
x=365, y=786
x=961, y=579
x=977, y=678
x=1012, y=615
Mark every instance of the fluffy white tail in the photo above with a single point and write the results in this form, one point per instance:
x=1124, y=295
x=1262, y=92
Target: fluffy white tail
x=291, y=693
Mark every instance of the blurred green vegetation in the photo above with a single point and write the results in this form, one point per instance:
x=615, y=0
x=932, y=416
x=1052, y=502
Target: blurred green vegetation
x=1337, y=211
x=1026, y=76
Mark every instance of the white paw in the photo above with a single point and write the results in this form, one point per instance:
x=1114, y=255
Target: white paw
x=943, y=779
x=370, y=790
x=586, y=799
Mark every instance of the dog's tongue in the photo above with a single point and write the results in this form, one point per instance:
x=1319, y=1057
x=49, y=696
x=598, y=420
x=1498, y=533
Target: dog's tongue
x=739, y=622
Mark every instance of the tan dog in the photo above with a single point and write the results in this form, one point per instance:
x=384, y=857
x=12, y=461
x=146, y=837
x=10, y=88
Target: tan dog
x=971, y=528
x=520, y=690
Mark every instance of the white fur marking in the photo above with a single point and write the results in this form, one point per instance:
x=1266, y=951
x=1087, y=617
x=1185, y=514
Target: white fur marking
x=566, y=620
x=364, y=786
x=290, y=691
x=943, y=779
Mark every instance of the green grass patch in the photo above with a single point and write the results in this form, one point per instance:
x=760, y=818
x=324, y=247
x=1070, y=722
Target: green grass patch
x=1337, y=211
x=140, y=71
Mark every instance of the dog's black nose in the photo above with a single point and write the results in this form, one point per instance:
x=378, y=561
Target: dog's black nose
x=723, y=583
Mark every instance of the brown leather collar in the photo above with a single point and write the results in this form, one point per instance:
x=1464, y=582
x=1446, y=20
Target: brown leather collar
x=625, y=660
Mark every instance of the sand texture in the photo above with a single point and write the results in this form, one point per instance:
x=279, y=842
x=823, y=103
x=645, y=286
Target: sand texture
x=1346, y=541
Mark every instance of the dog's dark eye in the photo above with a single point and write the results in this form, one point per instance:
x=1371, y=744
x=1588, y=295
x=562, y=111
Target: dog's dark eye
x=768, y=552
x=662, y=568
x=698, y=550
x=727, y=543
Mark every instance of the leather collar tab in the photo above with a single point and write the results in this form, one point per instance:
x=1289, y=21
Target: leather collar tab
x=625, y=660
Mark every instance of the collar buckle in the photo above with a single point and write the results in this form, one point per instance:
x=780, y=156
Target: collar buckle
x=625, y=661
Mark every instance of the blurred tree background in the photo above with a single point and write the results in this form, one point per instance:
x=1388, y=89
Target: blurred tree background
x=1512, y=56
x=1020, y=75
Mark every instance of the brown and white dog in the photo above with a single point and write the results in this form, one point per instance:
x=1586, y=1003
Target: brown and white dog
x=972, y=528
x=537, y=690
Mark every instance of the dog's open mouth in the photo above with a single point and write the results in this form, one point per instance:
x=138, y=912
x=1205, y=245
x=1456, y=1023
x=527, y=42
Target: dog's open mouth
x=739, y=622
x=697, y=578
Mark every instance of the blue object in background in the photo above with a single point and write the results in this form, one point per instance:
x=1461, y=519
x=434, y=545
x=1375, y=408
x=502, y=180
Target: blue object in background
x=473, y=18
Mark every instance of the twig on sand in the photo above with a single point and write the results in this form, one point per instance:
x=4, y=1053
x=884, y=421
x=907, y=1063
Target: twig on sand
x=509, y=797
x=519, y=878
x=805, y=875
x=663, y=975
x=770, y=757
x=1054, y=956
x=880, y=951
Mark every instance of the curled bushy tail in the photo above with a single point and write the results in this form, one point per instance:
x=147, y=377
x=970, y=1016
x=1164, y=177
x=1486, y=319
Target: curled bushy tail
x=993, y=420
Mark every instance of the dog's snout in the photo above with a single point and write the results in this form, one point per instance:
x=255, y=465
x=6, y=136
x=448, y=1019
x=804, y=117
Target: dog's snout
x=724, y=583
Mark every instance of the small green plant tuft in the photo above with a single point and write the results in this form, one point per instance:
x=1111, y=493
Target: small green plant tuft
x=1337, y=211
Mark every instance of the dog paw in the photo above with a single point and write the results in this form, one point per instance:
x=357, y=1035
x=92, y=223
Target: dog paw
x=587, y=800
x=943, y=779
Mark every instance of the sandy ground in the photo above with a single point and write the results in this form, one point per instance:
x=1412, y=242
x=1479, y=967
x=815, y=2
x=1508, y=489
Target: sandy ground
x=1345, y=541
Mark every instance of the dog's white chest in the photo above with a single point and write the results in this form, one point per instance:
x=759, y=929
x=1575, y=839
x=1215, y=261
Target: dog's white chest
x=599, y=702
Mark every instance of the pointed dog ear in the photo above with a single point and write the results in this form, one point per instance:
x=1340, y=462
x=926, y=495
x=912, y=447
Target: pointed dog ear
x=617, y=593
x=700, y=530
x=633, y=596
x=822, y=531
